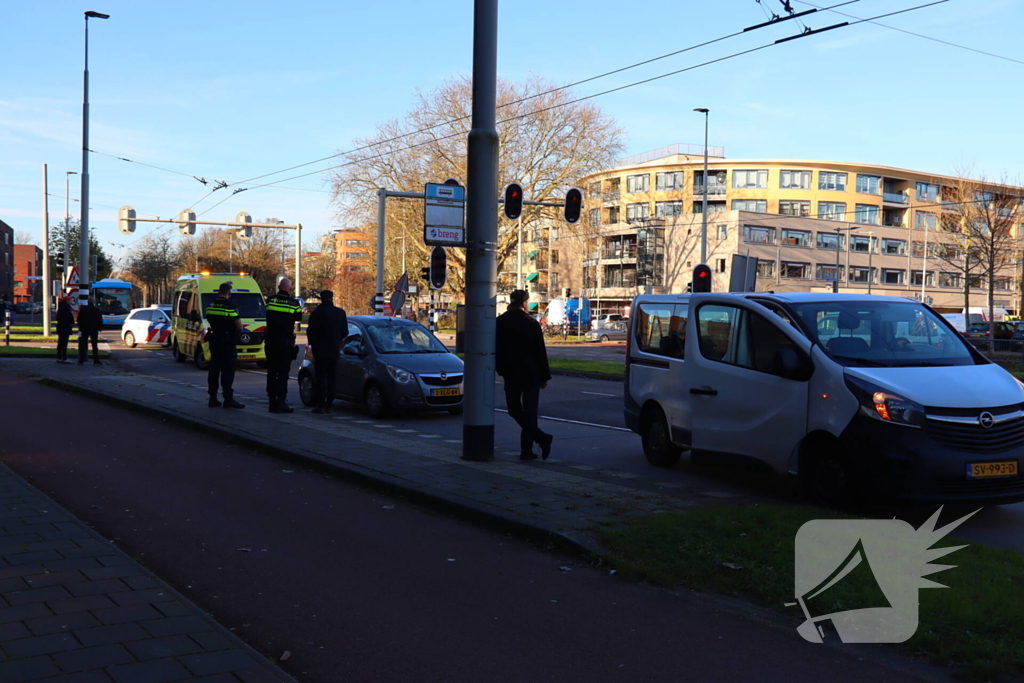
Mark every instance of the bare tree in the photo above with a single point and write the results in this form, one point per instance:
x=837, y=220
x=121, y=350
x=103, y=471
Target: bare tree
x=319, y=267
x=154, y=264
x=546, y=142
x=25, y=237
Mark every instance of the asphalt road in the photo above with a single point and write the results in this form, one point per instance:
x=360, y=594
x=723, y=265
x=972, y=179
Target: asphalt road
x=586, y=417
x=360, y=587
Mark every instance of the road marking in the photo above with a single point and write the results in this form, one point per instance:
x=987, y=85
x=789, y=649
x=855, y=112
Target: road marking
x=573, y=422
x=597, y=393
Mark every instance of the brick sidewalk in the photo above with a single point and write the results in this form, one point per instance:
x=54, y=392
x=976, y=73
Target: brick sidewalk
x=75, y=609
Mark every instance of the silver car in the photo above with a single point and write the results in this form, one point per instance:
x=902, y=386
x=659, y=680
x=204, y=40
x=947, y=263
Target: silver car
x=391, y=364
x=614, y=331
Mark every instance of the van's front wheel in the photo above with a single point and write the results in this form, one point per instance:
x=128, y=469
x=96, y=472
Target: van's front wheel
x=657, y=439
x=827, y=481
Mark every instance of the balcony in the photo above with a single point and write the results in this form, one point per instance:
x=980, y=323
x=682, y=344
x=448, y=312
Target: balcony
x=619, y=253
x=611, y=198
x=618, y=282
x=713, y=189
x=895, y=198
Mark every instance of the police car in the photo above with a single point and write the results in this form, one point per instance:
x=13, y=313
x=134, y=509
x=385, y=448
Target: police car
x=147, y=326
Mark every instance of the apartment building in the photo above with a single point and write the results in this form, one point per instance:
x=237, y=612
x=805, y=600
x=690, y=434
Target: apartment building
x=6, y=262
x=28, y=271
x=875, y=229
x=352, y=247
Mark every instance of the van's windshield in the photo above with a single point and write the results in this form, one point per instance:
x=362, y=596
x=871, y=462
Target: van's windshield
x=882, y=334
x=249, y=304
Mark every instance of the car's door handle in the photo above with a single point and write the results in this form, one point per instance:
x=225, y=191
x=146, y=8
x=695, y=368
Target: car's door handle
x=704, y=391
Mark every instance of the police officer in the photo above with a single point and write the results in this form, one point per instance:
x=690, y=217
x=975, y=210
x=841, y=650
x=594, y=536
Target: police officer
x=90, y=320
x=283, y=312
x=225, y=324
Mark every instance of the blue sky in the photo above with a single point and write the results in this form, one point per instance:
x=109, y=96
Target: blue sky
x=231, y=90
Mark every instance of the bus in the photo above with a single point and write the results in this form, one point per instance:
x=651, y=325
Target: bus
x=113, y=298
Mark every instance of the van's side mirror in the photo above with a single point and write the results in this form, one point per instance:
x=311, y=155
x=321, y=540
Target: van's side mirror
x=792, y=364
x=353, y=350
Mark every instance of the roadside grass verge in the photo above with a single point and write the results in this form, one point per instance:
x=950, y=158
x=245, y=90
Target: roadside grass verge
x=573, y=365
x=34, y=351
x=974, y=625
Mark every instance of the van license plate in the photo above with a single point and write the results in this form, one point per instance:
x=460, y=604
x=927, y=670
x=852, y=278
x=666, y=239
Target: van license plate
x=983, y=470
x=248, y=356
x=456, y=391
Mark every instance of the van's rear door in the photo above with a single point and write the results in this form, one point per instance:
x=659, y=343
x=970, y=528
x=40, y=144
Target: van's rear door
x=741, y=404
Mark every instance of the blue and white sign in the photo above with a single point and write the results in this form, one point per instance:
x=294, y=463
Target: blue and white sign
x=444, y=211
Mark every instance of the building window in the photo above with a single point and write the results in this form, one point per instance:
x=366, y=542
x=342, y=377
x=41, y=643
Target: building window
x=637, y=212
x=720, y=265
x=832, y=181
x=554, y=256
x=668, y=181
x=553, y=281
x=832, y=211
x=894, y=247
x=951, y=280
x=977, y=281
x=862, y=243
x=893, y=277
x=927, y=192
x=595, y=216
x=713, y=207
x=753, y=179
x=796, y=271
x=595, y=190
x=950, y=252
x=356, y=243
x=758, y=235
x=638, y=183
x=723, y=232
x=915, y=278
x=924, y=220
x=1003, y=283
x=795, y=180
x=867, y=214
x=357, y=269
x=668, y=209
x=802, y=209
x=755, y=205
x=867, y=184
x=796, y=238
x=765, y=268
x=861, y=275
x=831, y=241
x=829, y=273
x=613, y=215
x=356, y=255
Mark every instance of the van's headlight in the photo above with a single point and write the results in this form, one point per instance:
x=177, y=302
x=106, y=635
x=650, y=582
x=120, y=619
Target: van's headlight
x=400, y=375
x=885, y=405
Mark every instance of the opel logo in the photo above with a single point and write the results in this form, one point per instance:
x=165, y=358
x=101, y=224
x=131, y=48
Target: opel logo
x=245, y=340
x=986, y=420
x=444, y=375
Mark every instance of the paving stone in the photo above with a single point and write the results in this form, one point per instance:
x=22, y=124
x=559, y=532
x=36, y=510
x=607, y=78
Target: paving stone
x=154, y=671
x=81, y=604
x=139, y=597
x=212, y=641
x=172, y=609
x=173, y=626
x=217, y=662
x=171, y=646
x=104, y=635
x=40, y=645
x=22, y=612
x=61, y=623
x=88, y=551
x=81, y=563
x=36, y=595
x=13, y=584
x=111, y=572
x=93, y=658
x=34, y=558
x=118, y=615
x=96, y=587
x=21, y=670
x=140, y=582
x=57, y=578
x=97, y=676
x=13, y=631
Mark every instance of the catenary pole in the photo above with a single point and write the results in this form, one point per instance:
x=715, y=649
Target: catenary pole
x=45, y=284
x=482, y=238
x=378, y=298
x=83, y=248
x=67, y=229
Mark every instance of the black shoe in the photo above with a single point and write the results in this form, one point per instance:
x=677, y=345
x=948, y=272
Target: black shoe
x=283, y=407
x=528, y=456
x=232, y=403
x=545, y=446
x=214, y=403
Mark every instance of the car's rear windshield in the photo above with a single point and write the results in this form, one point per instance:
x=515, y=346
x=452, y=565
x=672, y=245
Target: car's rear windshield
x=249, y=304
x=404, y=339
x=978, y=327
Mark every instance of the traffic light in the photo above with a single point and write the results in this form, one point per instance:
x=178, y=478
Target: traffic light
x=567, y=293
x=513, y=206
x=702, y=278
x=187, y=222
x=573, y=205
x=438, y=268
x=689, y=287
x=425, y=274
x=59, y=261
x=126, y=220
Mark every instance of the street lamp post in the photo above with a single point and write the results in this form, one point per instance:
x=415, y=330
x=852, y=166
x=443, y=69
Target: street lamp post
x=67, y=227
x=704, y=197
x=871, y=253
x=83, y=249
x=839, y=231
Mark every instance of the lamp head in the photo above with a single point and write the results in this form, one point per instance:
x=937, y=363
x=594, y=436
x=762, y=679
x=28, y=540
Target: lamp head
x=96, y=15
x=702, y=110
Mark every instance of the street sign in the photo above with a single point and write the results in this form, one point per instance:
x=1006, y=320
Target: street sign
x=444, y=209
x=397, y=301
x=72, y=287
x=387, y=309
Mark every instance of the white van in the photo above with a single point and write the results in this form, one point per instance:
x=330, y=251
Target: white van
x=959, y=320
x=998, y=314
x=845, y=391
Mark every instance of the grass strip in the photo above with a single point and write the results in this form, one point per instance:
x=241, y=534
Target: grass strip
x=573, y=365
x=748, y=550
x=34, y=351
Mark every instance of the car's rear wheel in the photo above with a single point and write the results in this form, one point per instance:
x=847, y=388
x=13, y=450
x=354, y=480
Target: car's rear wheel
x=376, y=401
x=307, y=389
x=604, y=338
x=129, y=340
x=657, y=439
x=179, y=357
x=202, y=362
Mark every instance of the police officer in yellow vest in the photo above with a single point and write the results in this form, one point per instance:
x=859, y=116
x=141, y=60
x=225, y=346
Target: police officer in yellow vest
x=283, y=312
x=225, y=324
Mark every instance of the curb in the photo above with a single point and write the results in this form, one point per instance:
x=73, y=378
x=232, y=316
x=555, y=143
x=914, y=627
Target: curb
x=258, y=658
x=479, y=513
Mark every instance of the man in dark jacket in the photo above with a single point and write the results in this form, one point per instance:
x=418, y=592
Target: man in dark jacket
x=65, y=321
x=90, y=320
x=327, y=329
x=282, y=313
x=522, y=361
x=225, y=324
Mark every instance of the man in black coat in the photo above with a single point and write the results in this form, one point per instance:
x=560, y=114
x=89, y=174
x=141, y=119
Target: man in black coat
x=327, y=329
x=90, y=320
x=283, y=311
x=65, y=321
x=522, y=361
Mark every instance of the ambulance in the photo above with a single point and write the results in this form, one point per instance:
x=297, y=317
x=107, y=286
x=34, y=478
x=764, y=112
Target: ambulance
x=193, y=293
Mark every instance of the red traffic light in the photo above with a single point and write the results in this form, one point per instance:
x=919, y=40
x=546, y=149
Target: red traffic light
x=573, y=204
x=513, y=206
x=702, y=279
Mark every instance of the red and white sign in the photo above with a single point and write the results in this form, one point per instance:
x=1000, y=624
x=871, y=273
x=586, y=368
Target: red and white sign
x=387, y=309
x=71, y=287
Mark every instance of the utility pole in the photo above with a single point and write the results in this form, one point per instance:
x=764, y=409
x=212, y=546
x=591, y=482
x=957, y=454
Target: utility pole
x=871, y=253
x=704, y=197
x=45, y=284
x=482, y=238
x=83, y=249
x=67, y=229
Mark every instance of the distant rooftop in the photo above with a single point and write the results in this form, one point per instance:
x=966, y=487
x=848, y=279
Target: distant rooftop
x=677, y=149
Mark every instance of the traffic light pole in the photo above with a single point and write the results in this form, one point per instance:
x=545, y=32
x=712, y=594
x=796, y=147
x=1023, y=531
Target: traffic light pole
x=382, y=201
x=482, y=238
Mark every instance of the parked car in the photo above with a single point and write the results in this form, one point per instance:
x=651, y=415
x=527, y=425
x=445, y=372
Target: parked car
x=391, y=364
x=1018, y=330
x=24, y=307
x=147, y=326
x=612, y=331
x=978, y=333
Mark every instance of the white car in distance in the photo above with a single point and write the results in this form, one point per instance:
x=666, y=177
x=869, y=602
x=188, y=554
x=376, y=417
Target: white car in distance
x=147, y=326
